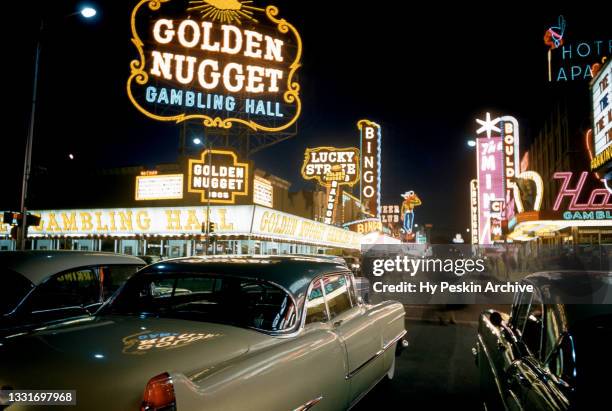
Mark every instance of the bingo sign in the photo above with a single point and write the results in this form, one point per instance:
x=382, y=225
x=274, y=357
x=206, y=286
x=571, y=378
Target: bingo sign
x=220, y=62
x=218, y=176
x=370, y=166
x=332, y=168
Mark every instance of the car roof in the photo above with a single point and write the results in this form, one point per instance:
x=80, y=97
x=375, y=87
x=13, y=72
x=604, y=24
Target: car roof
x=37, y=265
x=567, y=283
x=293, y=273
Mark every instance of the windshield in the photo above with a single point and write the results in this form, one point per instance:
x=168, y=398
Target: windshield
x=199, y=297
x=13, y=288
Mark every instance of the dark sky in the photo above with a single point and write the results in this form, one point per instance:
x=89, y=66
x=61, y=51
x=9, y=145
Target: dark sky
x=423, y=74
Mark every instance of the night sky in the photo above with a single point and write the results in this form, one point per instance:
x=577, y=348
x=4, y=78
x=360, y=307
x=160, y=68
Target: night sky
x=422, y=74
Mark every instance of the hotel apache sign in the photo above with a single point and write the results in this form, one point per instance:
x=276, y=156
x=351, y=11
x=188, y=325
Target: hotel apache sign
x=218, y=61
x=218, y=176
x=332, y=168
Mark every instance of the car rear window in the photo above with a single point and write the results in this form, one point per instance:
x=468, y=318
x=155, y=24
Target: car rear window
x=236, y=301
x=13, y=288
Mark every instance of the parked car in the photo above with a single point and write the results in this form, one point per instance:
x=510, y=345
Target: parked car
x=42, y=287
x=544, y=356
x=265, y=333
x=150, y=259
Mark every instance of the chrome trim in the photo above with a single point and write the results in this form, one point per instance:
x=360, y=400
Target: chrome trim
x=375, y=356
x=309, y=404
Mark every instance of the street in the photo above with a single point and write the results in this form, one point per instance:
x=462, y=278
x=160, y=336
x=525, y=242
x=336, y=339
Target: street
x=437, y=370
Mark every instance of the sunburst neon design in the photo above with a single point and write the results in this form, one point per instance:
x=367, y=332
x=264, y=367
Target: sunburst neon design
x=224, y=11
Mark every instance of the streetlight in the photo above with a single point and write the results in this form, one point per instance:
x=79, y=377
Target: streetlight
x=471, y=143
x=86, y=12
x=197, y=141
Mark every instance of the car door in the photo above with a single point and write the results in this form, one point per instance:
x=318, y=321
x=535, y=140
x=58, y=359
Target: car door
x=521, y=371
x=548, y=378
x=359, y=332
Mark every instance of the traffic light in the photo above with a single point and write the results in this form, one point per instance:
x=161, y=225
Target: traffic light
x=208, y=227
x=12, y=218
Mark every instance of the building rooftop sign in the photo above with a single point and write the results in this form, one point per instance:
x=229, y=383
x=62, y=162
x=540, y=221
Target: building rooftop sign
x=221, y=62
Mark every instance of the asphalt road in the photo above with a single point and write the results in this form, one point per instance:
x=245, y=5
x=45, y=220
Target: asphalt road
x=436, y=372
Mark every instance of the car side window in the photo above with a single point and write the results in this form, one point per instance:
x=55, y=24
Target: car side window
x=560, y=362
x=69, y=289
x=113, y=276
x=351, y=288
x=316, y=311
x=336, y=294
x=529, y=322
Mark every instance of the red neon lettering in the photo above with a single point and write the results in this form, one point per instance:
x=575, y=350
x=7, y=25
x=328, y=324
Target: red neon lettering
x=574, y=194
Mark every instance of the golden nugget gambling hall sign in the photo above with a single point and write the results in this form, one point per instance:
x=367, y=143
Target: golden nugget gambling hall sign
x=218, y=176
x=218, y=61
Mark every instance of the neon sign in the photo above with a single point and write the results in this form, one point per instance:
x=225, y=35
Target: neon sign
x=370, y=166
x=497, y=214
x=411, y=200
x=474, y=210
x=601, y=94
x=327, y=164
x=575, y=61
x=553, y=37
x=490, y=172
x=197, y=63
x=599, y=199
x=218, y=176
x=365, y=226
x=332, y=168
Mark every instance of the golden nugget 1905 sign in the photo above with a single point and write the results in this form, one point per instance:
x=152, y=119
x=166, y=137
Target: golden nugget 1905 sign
x=218, y=61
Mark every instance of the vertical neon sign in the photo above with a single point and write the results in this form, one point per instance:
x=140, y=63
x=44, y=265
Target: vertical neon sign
x=474, y=210
x=370, y=166
x=490, y=173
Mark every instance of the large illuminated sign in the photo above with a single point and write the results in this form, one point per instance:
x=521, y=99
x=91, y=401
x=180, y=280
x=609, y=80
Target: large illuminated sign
x=218, y=176
x=599, y=199
x=497, y=166
x=601, y=93
x=159, y=187
x=263, y=192
x=491, y=172
x=474, y=211
x=218, y=61
x=365, y=226
x=332, y=168
x=327, y=164
x=232, y=221
x=411, y=201
x=370, y=166
x=574, y=61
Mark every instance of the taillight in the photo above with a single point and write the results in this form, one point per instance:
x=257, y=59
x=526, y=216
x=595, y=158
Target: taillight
x=159, y=394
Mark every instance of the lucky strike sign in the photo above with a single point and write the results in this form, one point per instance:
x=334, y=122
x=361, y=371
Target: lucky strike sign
x=218, y=61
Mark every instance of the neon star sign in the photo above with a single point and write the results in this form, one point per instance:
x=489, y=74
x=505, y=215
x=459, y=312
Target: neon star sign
x=488, y=125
